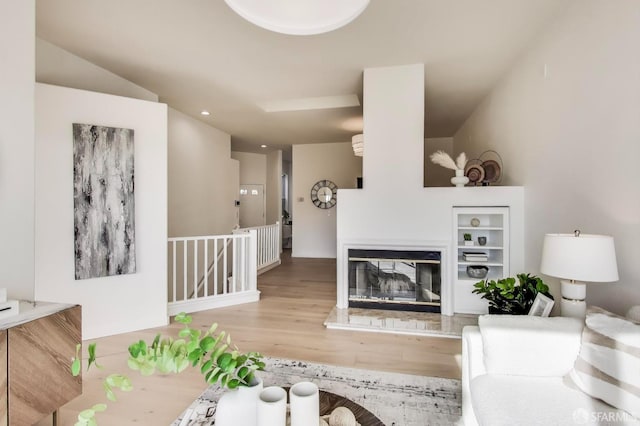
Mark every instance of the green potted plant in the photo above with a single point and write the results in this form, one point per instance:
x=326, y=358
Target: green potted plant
x=467, y=239
x=507, y=297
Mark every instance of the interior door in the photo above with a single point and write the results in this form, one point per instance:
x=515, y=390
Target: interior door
x=252, y=206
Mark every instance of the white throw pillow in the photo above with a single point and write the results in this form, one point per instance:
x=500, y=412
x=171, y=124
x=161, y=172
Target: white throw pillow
x=608, y=366
x=526, y=345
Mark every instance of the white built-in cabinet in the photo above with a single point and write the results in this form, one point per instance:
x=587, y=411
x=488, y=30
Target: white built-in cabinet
x=493, y=224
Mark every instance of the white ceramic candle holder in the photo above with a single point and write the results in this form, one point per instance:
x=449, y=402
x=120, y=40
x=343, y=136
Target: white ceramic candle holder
x=272, y=407
x=304, y=399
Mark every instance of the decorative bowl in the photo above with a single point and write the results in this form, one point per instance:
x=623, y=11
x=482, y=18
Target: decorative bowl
x=477, y=271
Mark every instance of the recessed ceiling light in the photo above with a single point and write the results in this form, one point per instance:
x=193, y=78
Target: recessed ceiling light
x=204, y=112
x=263, y=146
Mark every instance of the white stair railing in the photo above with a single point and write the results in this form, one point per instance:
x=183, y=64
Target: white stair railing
x=204, y=279
x=212, y=271
x=269, y=241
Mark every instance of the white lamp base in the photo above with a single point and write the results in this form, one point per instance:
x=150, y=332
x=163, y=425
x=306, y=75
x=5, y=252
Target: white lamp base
x=573, y=296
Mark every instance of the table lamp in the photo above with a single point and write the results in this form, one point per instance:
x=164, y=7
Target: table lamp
x=576, y=258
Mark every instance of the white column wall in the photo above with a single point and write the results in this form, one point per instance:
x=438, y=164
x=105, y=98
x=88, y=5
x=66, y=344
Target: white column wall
x=393, y=108
x=17, y=47
x=116, y=304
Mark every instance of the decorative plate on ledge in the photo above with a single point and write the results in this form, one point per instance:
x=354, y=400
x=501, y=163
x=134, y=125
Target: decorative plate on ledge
x=474, y=171
x=492, y=165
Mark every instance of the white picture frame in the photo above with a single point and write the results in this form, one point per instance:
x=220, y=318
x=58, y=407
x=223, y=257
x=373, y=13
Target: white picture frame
x=541, y=306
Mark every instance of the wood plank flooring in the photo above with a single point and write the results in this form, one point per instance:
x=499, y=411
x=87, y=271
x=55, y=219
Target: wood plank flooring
x=287, y=322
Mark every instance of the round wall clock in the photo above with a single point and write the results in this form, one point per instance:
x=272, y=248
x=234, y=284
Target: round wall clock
x=324, y=193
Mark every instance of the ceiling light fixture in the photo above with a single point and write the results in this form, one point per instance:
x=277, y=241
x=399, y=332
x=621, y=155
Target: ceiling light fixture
x=204, y=112
x=299, y=17
x=263, y=146
x=357, y=142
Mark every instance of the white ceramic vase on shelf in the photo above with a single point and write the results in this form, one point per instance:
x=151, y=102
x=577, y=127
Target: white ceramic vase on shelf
x=272, y=407
x=459, y=179
x=238, y=407
x=304, y=400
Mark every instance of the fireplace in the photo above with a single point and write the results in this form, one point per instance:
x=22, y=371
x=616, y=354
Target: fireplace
x=407, y=280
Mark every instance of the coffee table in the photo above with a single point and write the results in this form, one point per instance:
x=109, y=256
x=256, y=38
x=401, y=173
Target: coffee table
x=330, y=401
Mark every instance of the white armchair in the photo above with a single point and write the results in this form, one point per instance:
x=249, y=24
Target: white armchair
x=514, y=371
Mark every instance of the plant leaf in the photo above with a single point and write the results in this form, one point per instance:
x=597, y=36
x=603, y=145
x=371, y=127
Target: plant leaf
x=75, y=367
x=92, y=356
x=207, y=344
x=183, y=318
x=98, y=408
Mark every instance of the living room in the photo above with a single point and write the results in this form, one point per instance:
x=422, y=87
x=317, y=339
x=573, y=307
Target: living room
x=565, y=104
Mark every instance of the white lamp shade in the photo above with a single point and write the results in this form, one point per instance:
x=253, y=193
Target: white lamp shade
x=299, y=17
x=357, y=142
x=583, y=258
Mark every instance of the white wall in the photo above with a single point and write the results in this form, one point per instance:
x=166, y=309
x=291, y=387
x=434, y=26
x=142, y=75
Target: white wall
x=17, y=35
x=274, y=187
x=286, y=169
x=394, y=137
x=314, y=229
x=253, y=167
x=116, y=304
x=572, y=136
x=435, y=175
x=55, y=65
x=253, y=171
x=203, y=179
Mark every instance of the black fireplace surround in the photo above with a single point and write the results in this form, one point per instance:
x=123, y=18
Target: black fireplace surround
x=404, y=280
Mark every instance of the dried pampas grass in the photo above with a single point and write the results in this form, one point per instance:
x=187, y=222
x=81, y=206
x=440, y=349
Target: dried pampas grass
x=443, y=159
x=461, y=161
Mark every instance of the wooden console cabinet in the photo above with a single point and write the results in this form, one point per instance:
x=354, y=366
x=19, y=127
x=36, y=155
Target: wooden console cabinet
x=36, y=347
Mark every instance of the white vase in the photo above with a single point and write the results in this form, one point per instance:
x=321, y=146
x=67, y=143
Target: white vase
x=304, y=400
x=238, y=407
x=272, y=407
x=459, y=179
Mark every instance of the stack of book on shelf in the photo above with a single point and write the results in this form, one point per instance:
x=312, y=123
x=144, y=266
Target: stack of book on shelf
x=475, y=256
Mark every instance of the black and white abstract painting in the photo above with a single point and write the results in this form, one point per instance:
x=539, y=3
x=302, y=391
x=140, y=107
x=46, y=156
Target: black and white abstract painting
x=103, y=197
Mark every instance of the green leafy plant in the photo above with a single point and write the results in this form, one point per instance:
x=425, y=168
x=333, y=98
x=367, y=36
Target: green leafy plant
x=505, y=296
x=467, y=237
x=212, y=354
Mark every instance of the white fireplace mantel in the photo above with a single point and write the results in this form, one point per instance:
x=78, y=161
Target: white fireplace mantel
x=419, y=219
x=394, y=208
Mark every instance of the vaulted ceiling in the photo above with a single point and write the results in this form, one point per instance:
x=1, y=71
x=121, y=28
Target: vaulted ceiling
x=199, y=55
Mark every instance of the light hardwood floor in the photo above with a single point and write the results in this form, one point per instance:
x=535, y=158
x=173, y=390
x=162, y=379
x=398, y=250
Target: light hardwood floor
x=287, y=322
